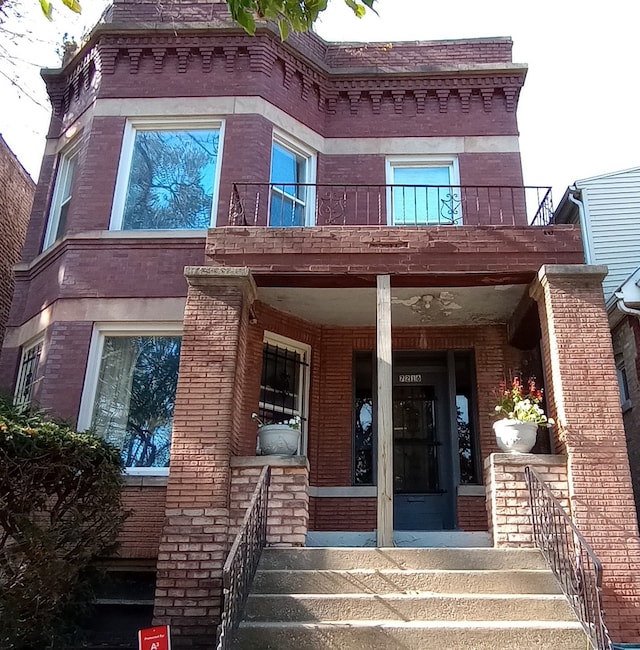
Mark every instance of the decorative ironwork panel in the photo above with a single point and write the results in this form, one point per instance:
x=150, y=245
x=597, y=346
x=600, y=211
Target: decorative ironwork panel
x=307, y=204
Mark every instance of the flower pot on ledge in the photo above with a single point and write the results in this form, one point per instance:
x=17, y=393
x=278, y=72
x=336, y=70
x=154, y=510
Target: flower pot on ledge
x=278, y=439
x=515, y=436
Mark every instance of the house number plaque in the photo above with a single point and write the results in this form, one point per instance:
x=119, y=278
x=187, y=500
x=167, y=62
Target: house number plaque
x=409, y=379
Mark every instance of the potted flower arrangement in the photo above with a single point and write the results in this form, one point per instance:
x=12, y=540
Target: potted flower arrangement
x=516, y=432
x=282, y=438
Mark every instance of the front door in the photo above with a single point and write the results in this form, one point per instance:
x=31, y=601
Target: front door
x=423, y=476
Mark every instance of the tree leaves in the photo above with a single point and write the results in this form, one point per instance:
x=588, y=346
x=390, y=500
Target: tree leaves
x=290, y=15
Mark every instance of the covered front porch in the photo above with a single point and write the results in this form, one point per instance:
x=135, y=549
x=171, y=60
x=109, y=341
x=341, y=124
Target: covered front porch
x=403, y=362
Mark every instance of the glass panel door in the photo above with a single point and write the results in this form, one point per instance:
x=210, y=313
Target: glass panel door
x=415, y=441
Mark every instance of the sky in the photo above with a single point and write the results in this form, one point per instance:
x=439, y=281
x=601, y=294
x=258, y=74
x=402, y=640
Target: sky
x=578, y=113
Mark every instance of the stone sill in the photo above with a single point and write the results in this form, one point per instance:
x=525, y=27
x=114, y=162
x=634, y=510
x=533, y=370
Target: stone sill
x=525, y=459
x=272, y=461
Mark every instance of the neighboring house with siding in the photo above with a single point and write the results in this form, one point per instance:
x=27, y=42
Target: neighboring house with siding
x=16, y=197
x=332, y=232
x=607, y=209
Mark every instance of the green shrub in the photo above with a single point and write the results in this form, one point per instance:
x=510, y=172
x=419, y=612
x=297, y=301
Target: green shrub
x=60, y=509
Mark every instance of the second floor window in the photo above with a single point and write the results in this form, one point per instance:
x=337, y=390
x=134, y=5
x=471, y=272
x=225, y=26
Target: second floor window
x=167, y=178
x=423, y=192
x=61, y=199
x=291, y=200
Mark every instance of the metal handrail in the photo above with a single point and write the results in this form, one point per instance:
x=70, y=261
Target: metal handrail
x=242, y=562
x=570, y=557
x=316, y=204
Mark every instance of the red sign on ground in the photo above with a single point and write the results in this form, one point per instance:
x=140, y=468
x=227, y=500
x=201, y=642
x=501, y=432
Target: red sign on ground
x=155, y=638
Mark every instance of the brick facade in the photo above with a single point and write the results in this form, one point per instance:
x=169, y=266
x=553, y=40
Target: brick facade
x=16, y=196
x=355, y=107
x=288, y=506
x=508, y=495
x=626, y=347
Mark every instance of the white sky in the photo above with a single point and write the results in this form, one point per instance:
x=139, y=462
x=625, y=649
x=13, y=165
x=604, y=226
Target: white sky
x=578, y=111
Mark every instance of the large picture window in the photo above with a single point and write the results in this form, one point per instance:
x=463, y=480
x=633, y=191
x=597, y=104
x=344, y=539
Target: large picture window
x=167, y=178
x=132, y=401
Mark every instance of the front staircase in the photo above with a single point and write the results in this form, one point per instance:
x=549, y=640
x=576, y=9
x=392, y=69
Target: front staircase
x=370, y=599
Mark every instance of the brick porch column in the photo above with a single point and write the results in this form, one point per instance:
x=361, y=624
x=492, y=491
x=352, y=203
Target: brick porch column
x=195, y=538
x=582, y=393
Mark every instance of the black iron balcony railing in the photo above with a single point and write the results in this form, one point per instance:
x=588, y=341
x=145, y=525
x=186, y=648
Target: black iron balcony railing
x=242, y=562
x=281, y=205
x=570, y=557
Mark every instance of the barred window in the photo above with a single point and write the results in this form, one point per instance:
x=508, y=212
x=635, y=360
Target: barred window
x=27, y=374
x=284, y=384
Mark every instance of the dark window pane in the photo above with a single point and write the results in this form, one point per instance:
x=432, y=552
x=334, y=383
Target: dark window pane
x=363, y=420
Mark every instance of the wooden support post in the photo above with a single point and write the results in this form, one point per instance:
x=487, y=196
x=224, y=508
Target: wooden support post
x=385, y=416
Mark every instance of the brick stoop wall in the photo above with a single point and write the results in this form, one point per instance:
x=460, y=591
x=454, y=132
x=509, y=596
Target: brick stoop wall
x=288, y=509
x=508, y=498
x=584, y=399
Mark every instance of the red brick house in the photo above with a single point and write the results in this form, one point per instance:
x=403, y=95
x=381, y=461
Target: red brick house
x=359, y=253
x=16, y=196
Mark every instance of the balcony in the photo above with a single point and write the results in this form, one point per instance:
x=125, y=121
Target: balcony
x=299, y=205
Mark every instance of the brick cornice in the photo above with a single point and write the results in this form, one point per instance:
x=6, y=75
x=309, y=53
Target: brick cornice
x=265, y=53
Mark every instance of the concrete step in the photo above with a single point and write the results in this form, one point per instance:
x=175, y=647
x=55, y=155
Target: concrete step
x=392, y=635
x=406, y=607
x=470, y=559
x=388, y=581
x=442, y=598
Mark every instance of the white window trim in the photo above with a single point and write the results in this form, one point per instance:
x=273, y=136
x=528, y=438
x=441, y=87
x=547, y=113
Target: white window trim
x=126, y=158
x=413, y=162
x=100, y=331
x=311, y=157
x=64, y=158
x=26, y=348
x=305, y=379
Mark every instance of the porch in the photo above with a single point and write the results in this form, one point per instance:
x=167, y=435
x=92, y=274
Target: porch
x=488, y=308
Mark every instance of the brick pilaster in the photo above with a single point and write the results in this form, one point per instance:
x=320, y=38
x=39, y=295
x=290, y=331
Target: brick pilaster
x=583, y=397
x=195, y=537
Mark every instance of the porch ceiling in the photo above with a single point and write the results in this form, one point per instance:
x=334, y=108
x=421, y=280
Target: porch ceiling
x=410, y=306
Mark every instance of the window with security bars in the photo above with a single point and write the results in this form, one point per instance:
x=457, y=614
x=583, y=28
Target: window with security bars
x=284, y=383
x=27, y=373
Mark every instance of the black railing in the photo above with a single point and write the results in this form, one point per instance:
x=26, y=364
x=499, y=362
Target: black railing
x=242, y=562
x=273, y=204
x=570, y=557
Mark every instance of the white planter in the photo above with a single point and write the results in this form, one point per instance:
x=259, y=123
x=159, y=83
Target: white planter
x=514, y=436
x=278, y=439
